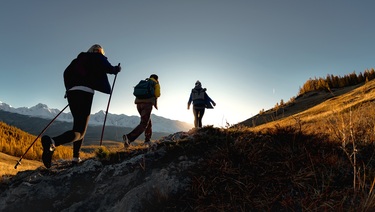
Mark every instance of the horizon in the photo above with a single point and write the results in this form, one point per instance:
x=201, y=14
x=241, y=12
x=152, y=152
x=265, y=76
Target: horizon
x=92, y=113
x=249, y=55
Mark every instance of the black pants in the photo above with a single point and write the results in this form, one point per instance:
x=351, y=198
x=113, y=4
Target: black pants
x=80, y=103
x=198, y=115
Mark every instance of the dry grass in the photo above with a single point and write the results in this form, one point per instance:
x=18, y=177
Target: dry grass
x=8, y=162
x=281, y=169
x=320, y=159
x=315, y=113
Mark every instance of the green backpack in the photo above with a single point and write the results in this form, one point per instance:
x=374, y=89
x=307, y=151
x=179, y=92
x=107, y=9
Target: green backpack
x=144, y=89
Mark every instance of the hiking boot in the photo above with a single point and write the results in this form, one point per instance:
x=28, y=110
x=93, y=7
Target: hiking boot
x=126, y=140
x=48, y=149
x=76, y=160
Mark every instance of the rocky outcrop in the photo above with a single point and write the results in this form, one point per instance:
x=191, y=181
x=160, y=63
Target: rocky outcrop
x=138, y=180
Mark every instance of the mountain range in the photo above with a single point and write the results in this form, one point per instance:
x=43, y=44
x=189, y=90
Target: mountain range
x=34, y=119
x=160, y=124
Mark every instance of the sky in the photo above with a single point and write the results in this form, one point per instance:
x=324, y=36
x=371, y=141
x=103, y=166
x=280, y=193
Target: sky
x=249, y=54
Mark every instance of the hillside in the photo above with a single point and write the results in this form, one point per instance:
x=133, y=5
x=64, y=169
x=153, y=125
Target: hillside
x=300, y=104
x=320, y=158
x=8, y=162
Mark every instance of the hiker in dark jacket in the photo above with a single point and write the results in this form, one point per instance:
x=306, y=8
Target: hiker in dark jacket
x=85, y=74
x=144, y=107
x=201, y=101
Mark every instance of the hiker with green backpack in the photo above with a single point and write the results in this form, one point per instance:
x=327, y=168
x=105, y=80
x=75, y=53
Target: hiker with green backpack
x=147, y=93
x=201, y=101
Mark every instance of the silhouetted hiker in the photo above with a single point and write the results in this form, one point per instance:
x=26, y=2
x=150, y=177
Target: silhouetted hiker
x=201, y=101
x=144, y=106
x=86, y=73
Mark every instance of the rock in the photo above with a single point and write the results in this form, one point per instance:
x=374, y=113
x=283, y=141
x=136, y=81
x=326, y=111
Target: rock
x=134, y=183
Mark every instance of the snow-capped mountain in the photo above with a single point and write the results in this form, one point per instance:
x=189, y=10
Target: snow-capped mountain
x=160, y=124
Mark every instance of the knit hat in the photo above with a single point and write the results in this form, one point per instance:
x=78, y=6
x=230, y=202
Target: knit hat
x=96, y=48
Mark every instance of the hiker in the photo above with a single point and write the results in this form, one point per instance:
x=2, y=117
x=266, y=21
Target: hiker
x=201, y=101
x=85, y=74
x=144, y=107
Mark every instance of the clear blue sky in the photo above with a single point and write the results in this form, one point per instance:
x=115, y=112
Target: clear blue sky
x=249, y=54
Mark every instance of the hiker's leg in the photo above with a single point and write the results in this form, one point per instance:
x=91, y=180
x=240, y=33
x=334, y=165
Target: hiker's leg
x=200, y=117
x=196, y=119
x=77, y=147
x=148, y=131
x=144, y=110
x=80, y=106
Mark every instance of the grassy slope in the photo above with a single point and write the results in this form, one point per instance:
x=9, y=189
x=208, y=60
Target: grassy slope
x=8, y=162
x=315, y=107
x=317, y=159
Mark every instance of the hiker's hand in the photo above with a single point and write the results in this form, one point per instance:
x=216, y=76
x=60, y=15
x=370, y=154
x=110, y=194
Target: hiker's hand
x=188, y=107
x=117, y=69
x=214, y=103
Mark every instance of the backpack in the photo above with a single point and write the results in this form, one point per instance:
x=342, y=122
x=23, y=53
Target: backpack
x=198, y=94
x=144, y=89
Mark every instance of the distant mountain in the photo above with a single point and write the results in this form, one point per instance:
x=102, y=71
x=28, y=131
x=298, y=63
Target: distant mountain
x=160, y=124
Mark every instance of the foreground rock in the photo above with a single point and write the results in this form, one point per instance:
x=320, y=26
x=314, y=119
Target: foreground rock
x=134, y=181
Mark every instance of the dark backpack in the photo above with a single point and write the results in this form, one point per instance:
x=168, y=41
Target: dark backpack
x=144, y=89
x=198, y=94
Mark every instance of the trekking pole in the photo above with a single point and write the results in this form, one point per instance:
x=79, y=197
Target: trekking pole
x=106, y=112
x=19, y=161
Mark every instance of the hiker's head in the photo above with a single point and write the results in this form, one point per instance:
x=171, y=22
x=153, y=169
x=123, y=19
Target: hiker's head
x=198, y=84
x=96, y=48
x=154, y=76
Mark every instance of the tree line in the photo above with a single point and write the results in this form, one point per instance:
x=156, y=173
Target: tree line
x=328, y=84
x=334, y=82
x=14, y=141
